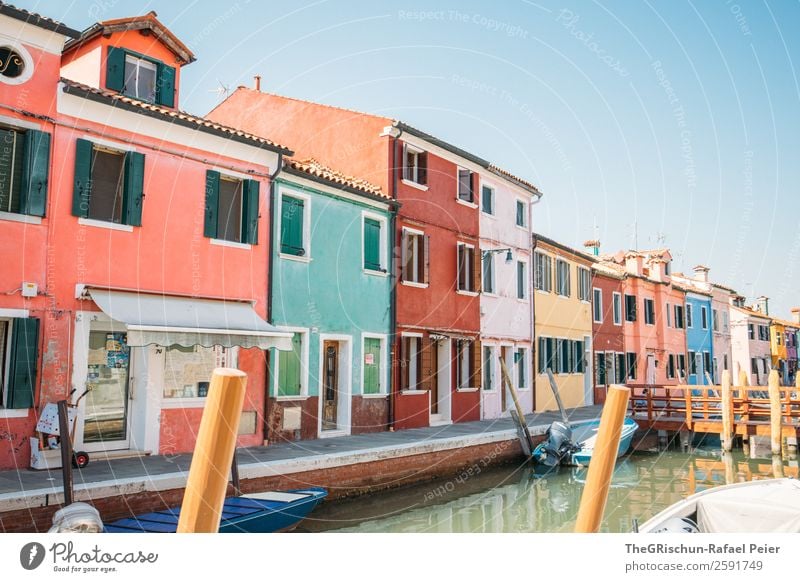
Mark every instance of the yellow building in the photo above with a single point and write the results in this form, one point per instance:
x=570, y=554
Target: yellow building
x=562, y=323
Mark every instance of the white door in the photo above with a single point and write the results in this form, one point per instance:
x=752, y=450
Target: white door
x=650, y=377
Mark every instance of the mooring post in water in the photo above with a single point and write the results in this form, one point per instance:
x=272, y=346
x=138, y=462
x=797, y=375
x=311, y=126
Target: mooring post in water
x=213, y=453
x=743, y=379
x=66, y=451
x=777, y=466
x=604, y=457
x=726, y=438
x=775, y=407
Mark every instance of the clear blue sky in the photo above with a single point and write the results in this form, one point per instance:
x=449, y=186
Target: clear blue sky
x=682, y=118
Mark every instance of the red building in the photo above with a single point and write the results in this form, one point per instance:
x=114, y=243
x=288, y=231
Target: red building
x=436, y=352
x=607, y=328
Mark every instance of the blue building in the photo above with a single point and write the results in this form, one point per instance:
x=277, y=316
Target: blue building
x=699, y=337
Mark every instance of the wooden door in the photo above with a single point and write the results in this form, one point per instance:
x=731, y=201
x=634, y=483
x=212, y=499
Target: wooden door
x=330, y=388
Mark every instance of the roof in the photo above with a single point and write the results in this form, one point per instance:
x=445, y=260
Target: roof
x=751, y=312
x=314, y=170
x=563, y=247
x=173, y=116
x=147, y=22
x=37, y=20
x=786, y=323
x=512, y=178
x=724, y=287
x=609, y=268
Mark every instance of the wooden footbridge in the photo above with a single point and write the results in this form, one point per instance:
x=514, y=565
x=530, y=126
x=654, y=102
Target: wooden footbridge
x=729, y=411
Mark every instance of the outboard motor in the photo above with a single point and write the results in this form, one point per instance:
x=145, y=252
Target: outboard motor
x=557, y=445
x=78, y=517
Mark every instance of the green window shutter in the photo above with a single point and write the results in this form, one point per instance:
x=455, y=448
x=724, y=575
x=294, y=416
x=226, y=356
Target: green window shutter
x=372, y=374
x=23, y=360
x=372, y=244
x=115, y=69
x=166, y=85
x=292, y=226
x=289, y=369
x=212, y=204
x=250, y=212
x=36, y=167
x=82, y=188
x=134, y=189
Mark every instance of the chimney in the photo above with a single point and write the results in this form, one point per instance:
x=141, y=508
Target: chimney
x=762, y=305
x=796, y=314
x=634, y=263
x=593, y=247
x=257, y=79
x=701, y=273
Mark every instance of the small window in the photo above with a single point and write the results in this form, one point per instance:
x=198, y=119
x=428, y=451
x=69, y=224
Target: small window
x=488, y=360
x=679, y=317
x=522, y=213
x=12, y=64
x=707, y=363
x=715, y=320
x=290, y=379
x=548, y=357
x=670, y=367
x=522, y=280
x=600, y=372
x=464, y=363
x=617, y=299
x=668, y=311
x=293, y=226
x=373, y=368
x=465, y=185
x=562, y=278
x=521, y=359
x=682, y=366
x=466, y=266
x=140, y=78
x=584, y=283
x=597, y=305
x=692, y=363
x=229, y=216
x=543, y=266
x=630, y=308
x=750, y=331
x=411, y=365
x=724, y=321
x=704, y=317
x=689, y=322
x=105, y=202
x=487, y=200
x=231, y=208
x=580, y=364
x=488, y=272
x=415, y=165
x=630, y=358
x=619, y=369
x=415, y=257
x=374, y=236
x=649, y=312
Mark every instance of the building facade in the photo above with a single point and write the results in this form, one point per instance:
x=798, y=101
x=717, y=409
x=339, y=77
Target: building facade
x=608, y=283
x=721, y=330
x=750, y=343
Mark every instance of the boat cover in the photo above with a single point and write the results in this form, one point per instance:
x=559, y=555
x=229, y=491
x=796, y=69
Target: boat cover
x=764, y=506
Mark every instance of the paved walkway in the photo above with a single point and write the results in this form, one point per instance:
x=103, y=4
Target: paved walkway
x=28, y=488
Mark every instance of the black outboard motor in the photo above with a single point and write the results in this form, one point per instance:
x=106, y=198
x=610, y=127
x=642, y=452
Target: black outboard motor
x=557, y=445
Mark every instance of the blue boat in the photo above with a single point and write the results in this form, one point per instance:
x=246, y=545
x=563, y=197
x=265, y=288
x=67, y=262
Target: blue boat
x=582, y=439
x=267, y=512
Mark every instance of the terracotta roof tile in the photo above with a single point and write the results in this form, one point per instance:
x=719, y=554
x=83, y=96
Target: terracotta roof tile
x=314, y=168
x=181, y=117
x=37, y=20
x=511, y=177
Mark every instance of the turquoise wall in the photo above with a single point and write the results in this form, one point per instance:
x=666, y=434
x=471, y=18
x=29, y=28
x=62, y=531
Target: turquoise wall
x=331, y=292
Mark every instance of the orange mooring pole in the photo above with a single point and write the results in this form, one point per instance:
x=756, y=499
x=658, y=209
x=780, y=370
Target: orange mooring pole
x=213, y=453
x=604, y=457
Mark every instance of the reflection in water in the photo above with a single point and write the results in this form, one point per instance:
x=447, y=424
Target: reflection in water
x=516, y=499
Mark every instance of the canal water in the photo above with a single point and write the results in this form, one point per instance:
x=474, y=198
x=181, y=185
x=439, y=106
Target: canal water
x=514, y=498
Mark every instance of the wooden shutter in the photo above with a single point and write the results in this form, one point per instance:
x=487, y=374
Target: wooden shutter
x=23, y=362
x=250, y=211
x=475, y=363
x=476, y=269
x=133, y=197
x=405, y=254
x=372, y=244
x=289, y=368
x=292, y=226
x=212, y=204
x=405, y=362
x=82, y=186
x=36, y=167
x=115, y=69
x=426, y=258
x=422, y=168
x=372, y=378
x=166, y=85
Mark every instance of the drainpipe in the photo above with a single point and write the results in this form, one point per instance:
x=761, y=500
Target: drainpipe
x=270, y=266
x=393, y=384
x=534, y=344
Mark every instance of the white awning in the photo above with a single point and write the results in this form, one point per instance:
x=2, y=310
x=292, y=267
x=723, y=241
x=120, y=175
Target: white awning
x=169, y=320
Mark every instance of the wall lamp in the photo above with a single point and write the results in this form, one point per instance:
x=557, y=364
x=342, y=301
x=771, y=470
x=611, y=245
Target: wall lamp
x=509, y=255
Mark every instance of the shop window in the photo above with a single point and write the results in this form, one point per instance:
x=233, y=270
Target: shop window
x=187, y=370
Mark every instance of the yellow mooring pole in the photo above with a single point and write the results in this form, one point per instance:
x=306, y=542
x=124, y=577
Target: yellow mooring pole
x=727, y=412
x=213, y=453
x=604, y=457
x=775, y=412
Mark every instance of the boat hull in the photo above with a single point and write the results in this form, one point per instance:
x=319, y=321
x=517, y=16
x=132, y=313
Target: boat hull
x=585, y=435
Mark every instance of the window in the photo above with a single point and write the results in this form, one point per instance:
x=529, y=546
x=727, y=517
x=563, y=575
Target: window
x=630, y=308
x=521, y=361
x=488, y=360
x=725, y=362
x=566, y=356
x=707, y=363
x=584, y=283
x=141, y=78
x=692, y=363
x=763, y=333
x=668, y=311
x=689, y=322
x=109, y=184
x=19, y=355
x=464, y=363
x=778, y=338
x=715, y=319
x=670, y=367
x=562, y=278
x=24, y=167
x=754, y=365
x=630, y=358
x=411, y=363
x=415, y=257
x=374, y=244
x=704, y=317
x=682, y=366
x=679, y=316
x=724, y=321
x=229, y=215
x=290, y=380
x=548, y=355
x=543, y=266
x=597, y=305
x=488, y=272
x=294, y=217
x=522, y=280
x=522, y=213
x=751, y=331
x=187, y=370
x=466, y=268
x=487, y=200
x=12, y=63
x=619, y=369
x=465, y=185
x=373, y=369
x=580, y=358
x=617, y=306
x=600, y=369
x=415, y=165
x=649, y=312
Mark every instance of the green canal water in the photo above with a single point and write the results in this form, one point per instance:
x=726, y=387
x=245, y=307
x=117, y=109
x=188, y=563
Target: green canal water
x=513, y=498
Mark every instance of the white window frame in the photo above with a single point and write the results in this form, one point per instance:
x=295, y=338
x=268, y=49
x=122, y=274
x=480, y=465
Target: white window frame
x=597, y=291
x=493, y=348
x=383, y=242
x=150, y=65
x=525, y=292
x=6, y=412
x=549, y=282
x=525, y=211
x=27, y=62
x=471, y=267
x=294, y=193
x=644, y=310
x=493, y=213
x=569, y=278
x=419, y=337
x=420, y=233
x=304, y=355
x=581, y=270
x=412, y=180
x=524, y=361
x=703, y=312
x=616, y=307
x=383, y=387
x=686, y=313
x=490, y=256
x=472, y=204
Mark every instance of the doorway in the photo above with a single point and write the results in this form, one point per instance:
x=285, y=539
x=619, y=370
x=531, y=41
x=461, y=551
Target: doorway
x=330, y=385
x=440, y=382
x=335, y=385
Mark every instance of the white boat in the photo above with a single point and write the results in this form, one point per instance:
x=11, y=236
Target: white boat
x=765, y=506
